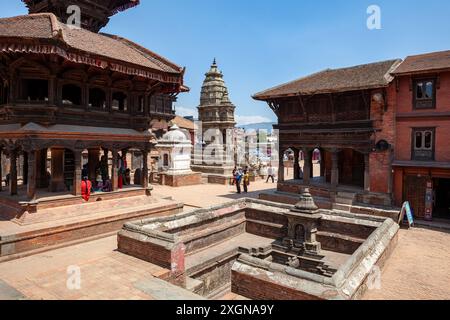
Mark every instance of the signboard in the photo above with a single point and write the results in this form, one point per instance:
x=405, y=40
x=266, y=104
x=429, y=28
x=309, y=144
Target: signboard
x=429, y=201
x=406, y=210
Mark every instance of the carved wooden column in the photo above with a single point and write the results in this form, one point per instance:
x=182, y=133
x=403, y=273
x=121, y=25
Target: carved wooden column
x=334, y=168
x=307, y=167
x=41, y=169
x=145, y=169
x=93, y=160
x=57, y=178
x=366, y=172
x=1, y=169
x=77, y=173
x=296, y=164
x=281, y=167
x=13, y=173
x=25, y=168
x=52, y=88
x=115, y=170
x=31, y=175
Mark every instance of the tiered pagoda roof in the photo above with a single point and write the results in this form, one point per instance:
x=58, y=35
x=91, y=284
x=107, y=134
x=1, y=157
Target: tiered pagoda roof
x=95, y=14
x=43, y=33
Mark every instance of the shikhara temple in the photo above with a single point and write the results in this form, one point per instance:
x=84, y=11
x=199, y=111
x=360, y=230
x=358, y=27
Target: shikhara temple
x=65, y=90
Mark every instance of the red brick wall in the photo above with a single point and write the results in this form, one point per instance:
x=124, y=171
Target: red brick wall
x=405, y=105
x=384, y=120
x=261, y=289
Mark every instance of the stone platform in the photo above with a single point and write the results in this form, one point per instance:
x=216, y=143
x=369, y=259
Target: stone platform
x=61, y=219
x=180, y=180
x=343, y=199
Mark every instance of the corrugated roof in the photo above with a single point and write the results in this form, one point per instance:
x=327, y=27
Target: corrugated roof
x=367, y=76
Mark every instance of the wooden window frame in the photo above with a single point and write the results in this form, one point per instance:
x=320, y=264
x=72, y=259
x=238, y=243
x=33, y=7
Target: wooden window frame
x=413, y=144
x=416, y=100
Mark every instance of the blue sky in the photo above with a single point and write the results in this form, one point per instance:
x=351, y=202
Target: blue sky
x=262, y=43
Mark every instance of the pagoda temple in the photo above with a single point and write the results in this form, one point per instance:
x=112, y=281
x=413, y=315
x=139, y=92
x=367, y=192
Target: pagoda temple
x=72, y=99
x=212, y=156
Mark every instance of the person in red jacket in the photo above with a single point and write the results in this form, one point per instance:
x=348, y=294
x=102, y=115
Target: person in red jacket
x=86, y=187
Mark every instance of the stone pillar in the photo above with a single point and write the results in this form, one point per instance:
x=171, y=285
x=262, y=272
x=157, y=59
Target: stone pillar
x=31, y=175
x=144, y=177
x=334, y=168
x=77, y=173
x=13, y=173
x=281, y=168
x=115, y=170
x=296, y=164
x=307, y=167
x=93, y=160
x=57, y=179
x=366, y=172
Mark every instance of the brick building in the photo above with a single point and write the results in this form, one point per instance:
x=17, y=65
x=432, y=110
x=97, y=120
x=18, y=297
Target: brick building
x=422, y=154
x=348, y=115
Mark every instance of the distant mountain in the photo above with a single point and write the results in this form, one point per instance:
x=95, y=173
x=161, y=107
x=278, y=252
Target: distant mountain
x=255, y=126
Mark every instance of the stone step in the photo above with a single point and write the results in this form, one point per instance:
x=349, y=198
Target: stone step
x=341, y=207
x=344, y=200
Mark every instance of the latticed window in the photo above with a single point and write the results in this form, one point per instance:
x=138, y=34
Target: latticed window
x=424, y=94
x=423, y=144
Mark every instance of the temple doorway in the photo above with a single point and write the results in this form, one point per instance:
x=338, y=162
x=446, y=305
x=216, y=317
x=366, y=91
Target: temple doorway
x=351, y=168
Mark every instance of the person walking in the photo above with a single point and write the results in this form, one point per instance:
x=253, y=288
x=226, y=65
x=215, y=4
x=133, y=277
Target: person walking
x=238, y=178
x=246, y=179
x=270, y=174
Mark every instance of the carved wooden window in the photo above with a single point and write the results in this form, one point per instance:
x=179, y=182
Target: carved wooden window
x=71, y=95
x=423, y=144
x=119, y=101
x=34, y=90
x=3, y=93
x=97, y=99
x=424, y=94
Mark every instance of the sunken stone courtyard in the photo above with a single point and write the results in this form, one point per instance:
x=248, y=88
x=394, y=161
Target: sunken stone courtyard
x=266, y=251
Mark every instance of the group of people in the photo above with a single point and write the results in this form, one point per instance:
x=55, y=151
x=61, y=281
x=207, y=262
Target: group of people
x=241, y=177
x=103, y=182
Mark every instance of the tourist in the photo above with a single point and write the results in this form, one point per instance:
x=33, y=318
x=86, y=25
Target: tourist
x=7, y=179
x=238, y=178
x=246, y=180
x=233, y=179
x=270, y=174
x=86, y=187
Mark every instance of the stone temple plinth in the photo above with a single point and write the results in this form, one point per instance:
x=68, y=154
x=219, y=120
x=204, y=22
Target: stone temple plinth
x=175, y=160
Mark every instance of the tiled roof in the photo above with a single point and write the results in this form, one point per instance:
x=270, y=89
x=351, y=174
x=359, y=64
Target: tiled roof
x=360, y=77
x=44, y=29
x=424, y=62
x=183, y=123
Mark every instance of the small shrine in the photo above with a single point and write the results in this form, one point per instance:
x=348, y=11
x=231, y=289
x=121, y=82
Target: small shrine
x=174, y=166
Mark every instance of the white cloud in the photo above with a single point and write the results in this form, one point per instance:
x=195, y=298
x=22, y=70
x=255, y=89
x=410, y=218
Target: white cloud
x=245, y=120
x=186, y=112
